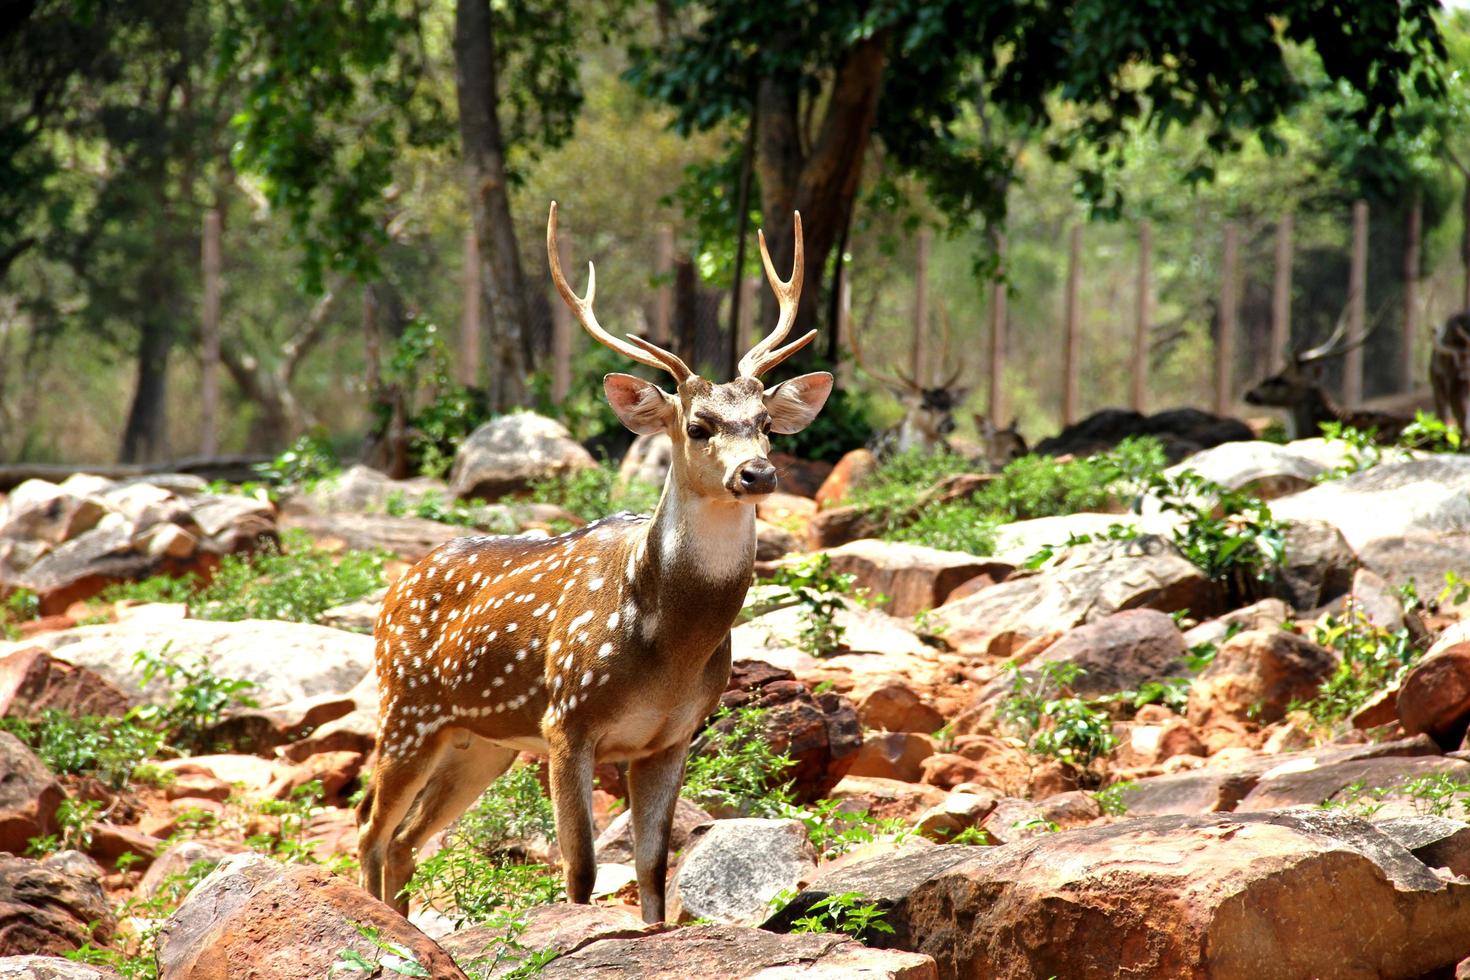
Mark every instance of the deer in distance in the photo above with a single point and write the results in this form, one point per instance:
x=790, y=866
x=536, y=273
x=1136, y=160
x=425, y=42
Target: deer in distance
x=1297, y=387
x=1449, y=369
x=606, y=644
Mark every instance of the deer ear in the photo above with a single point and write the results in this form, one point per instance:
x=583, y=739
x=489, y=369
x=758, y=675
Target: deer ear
x=641, y=405
x=793, y=404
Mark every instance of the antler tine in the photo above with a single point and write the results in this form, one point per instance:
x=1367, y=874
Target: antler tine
x=651, y=355
x=764, y=355
x=1336, y=344
x=944, y=350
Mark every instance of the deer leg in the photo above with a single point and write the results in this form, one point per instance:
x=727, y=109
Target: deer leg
x=400, y=774
x=571, y=796
x=459, y=778
x=653, y=789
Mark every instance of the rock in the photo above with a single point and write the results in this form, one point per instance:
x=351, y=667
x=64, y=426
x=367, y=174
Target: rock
x=178, y=859
x=1114, y=653
x=1380, y=709
x=1262, y=615
x=714, y=952
x=615, y=844
x=336, y=771
x=772, y=543
x=358, y=616
x=1318, y=566
x=984, y=760
x=253, y=917
x=1143, y=745
x=560, y=928
x=802, y=477
x=52, y=906
x=1252, y=896
x=1011, y=819
x=837, y=526
x=647, y=460
x=1422, y=557
x=355, y=731
x=821, y=732
x=1434, y=697
x=1295, y=783
x=1437, y=841
x=509, y=453
x=410, y=538
x=361, y=489
x=1018, y=541
x=1452, y=635
x=51, y=968
x=733, y=868
x=896, y=708
x=1256, y=674
x=958, y=813
x=1183, y=432
x=32, y=682
x=1262, y=469
x=885, y=799
x=1191, y=792
x=29, y=796
x=111, y=841
x=41, y=511
x=1083, y=584
x=1430, y=493
x=1371, y=598
x=286, y=661
x=253, y=776
x=914, y=577
x=892, y=755
x=848, y=472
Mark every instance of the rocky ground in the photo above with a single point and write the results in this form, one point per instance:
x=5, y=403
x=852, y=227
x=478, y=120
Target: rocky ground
x=1108, y=748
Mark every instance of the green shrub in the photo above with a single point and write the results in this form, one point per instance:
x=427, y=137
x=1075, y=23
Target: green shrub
x=18, y=607
x=732, y=767
x=108, y=748
x=818, y=591
x=1050, y=720
x=1042, y=486
x=1371, y=659
x=433, y=507
x=596, y=492
x=845, y=423
x=296, y=582
x=198, y=703
x=1429, y=433
x=844, y=913
x=965, y=525
x=1229, y=534
x=309, y=461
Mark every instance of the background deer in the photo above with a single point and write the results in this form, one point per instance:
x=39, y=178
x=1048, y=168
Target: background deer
x=1298, y=389
x=1449, y=369
x=928, y=410
x=606, y=644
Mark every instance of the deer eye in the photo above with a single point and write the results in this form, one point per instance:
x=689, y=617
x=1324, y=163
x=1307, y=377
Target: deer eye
x=697, y=431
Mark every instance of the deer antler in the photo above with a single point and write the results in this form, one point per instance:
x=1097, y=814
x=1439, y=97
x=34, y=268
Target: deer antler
x=1334, y=345
x=944, y=351
x=765, y=355
x=634, y=348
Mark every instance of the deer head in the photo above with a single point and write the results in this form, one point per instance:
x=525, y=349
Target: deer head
x=1001, y=445
x=720, y=432
x=1301, y=378
x=929, y=410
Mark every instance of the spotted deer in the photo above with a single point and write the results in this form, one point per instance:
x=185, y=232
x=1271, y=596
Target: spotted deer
x=606, y=644
x=1449, y=369
x=1298, y=388
x=928, y=410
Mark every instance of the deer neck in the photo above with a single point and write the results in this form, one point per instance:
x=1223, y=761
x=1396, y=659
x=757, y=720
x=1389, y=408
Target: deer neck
x=1312, y=408
x=696, y=542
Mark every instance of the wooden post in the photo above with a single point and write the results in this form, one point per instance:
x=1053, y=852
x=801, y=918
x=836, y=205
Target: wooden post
x=1073, y=327
x=919, y=355
x=1352, y=362
x=1281, y=295
x=1142, y=313
x=1225, y=343
x=1412, y=236
x=469, y=324
x=844, y=329
x=998, y=312
x=209, y=337
x=562, y=332
x=663, y=308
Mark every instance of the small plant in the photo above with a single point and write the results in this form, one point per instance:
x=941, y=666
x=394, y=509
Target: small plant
x=309, y=461
x=134, y=958
x=433, y=507
x=74, y=820
x=389, y=957
x=1229, y=534
x=199, y=699
x=1372, y=659
x=846, y=913
x=596, y=492
x=974, y=836
x=18, y=607
x=1437, y=794
x=289, y=844
x=834, y=831
x=505, y=956
x=112, y=749
x=1110, y=798
x=1051, y=721
x=1362, y=450
x=819, y=592
x=733, y=768
x=1429, y=433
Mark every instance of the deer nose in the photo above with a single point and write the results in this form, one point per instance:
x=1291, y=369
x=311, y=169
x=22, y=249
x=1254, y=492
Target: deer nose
x=946, y=426
x=756, y=476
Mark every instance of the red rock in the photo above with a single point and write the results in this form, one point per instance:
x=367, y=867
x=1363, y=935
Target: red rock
x=29, y=796
x=1257, y=675
x=892, y=755
x=897, y=708
x=561, y=928
x=913, y=577
x=885, y=798
x=335, y=770
x=849, y=471
x=1434, y=697
x=52, y=906
x=110, y=842
x=958, y=813
x=199, y=786
x=948, y=769
x=32, y=681
x=802, y=477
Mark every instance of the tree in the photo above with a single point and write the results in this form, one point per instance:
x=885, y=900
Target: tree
x=830, y=83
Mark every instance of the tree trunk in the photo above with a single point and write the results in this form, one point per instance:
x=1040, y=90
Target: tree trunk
x=823, y=183
x=484, y=162
x=145, y=437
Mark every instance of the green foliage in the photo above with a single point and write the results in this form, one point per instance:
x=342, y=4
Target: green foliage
x=1371, y=659
x=109, y=748
x=596, y=492
x=505, y=957
x=733, y=768
x=1362, y=450
x=388, y=957
x=845, y=422
x=1051, y=721
x=289, y=844
x=1229, y=534
x=134, y=958
x=1429, y=433
x=309, y=461
x=74, y=820
x=1110, y=798
x=462, y=513
x=964, y=525
x=1042, y=486
x=834, y=830
x=420, y=359
x=296, y=582
x=846, y=913
x=819, y=591
x=472, y=878
x=199, y=699
x=17, y=607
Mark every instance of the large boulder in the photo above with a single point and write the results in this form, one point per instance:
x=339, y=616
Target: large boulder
x=52, y=906
x=1256, y=675
x=1263, y=469
x=716, y=952
x=1251, y=896
x=1389, y=500
x=1114, y=653
x=912, y=576
x=254, y=917
x=615, y=844
x=1434, y=697
x=409, y=538
x=1422, y=557
x=51, y=968
x=647, y=460
x=32, y=682
x=734, y=868
x=1318, y=565
x=1081, y=585
x=508, y=454
x=361, y=489
x=286, y=661
x=29, y=796
x=489, y=951
x=819, y=731
x=1295, y=784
